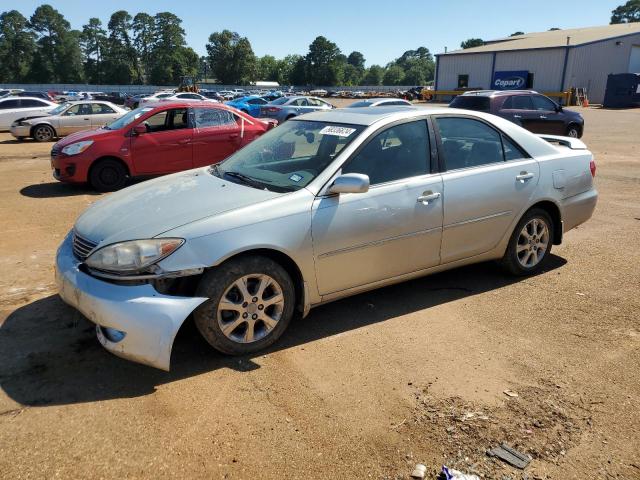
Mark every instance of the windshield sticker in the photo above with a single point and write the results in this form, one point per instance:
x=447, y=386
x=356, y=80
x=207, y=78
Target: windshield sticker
x=337, y=131
x=295, y=177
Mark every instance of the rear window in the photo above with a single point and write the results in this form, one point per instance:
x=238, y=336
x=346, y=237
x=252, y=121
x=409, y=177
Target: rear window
x=479, y=104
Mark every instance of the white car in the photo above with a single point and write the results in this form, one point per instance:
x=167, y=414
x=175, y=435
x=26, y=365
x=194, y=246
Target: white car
x=12, y=108
x=175, y=97
x=67, y=118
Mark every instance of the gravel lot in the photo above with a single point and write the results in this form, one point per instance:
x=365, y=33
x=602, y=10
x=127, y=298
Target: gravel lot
x=362, y=388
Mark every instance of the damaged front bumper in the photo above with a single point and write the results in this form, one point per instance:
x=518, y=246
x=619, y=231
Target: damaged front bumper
x=133, y=322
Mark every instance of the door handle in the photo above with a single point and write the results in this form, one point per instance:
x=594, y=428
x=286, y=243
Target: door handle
x=86, y=119
x=543, y=117
x=234, y=135
x=428, y=196
x=524, y=176
x=517, y=116
x=184, y=142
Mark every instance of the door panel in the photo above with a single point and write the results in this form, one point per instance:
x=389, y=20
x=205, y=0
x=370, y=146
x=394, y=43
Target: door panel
x=75, y=119
x=480, y=203
x=385, y=232
x=216, y=136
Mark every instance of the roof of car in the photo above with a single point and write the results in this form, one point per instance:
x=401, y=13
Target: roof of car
x=371, y=115
x=496, y=93
x=14, y=97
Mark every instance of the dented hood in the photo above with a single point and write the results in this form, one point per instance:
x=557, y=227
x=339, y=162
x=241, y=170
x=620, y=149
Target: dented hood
x=151, y=208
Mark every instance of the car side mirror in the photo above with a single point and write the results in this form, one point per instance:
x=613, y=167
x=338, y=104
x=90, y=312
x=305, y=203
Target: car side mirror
x=140, y=129
x=350, y=183
x=558, y=108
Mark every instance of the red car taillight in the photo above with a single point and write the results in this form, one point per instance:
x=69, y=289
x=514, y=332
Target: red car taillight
x=271, y=109
x=592, y=167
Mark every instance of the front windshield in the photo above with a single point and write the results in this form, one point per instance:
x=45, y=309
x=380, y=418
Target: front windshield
x=128, y=118
x=60, y=108
x=288, y=157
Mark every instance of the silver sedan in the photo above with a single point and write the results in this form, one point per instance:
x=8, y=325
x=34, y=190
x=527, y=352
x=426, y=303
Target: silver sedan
x=325, y=206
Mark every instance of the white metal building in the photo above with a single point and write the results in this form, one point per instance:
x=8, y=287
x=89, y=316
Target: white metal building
x=551, y=61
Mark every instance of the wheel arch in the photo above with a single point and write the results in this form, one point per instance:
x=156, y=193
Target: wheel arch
x=556, y=217
x=577, y=125
x=41, y=124
x=108, y=157
x=286, y=262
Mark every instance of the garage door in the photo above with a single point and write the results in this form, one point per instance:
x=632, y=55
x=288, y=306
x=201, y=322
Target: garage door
x=634, y=61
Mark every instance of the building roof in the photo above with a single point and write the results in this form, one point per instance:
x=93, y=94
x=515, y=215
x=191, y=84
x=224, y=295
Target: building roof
x=554, y=39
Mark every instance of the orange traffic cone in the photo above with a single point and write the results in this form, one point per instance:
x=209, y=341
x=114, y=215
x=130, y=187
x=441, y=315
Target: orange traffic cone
x=585, y=104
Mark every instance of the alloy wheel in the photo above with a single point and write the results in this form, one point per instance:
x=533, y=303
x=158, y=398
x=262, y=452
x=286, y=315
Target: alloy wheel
x=250, y=308
x=533, y=242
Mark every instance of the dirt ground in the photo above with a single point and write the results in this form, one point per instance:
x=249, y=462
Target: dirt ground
x=362, y=388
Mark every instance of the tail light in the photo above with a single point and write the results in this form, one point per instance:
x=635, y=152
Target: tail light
x=592, y=167
x=271, y=109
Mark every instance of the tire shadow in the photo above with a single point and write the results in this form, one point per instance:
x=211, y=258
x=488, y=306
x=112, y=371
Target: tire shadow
x=49, y=354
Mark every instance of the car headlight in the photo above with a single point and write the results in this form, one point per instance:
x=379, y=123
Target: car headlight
x=133, y=256
x=76, y=148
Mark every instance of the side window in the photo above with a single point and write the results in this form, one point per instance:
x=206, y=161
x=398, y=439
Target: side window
x=398, y=152
x=10, y=104
x=178, y=118
x=73, y=110
x=29, y=103
x=468, y=143
x=214, y=117
x=300, y=102
x=543, y=103
x=521, y=102
x=101, y=108
x=511, y=150
x=157, y=122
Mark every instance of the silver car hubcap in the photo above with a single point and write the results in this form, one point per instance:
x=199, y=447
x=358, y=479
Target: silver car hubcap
x=533, y=242
x=42, y=133
x=573, y=133
x=250, y=308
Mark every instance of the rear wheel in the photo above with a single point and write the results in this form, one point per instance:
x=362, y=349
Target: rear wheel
x=251, y=302
x=573, y=131
x=108, y=175
x=530, y=243
x=43, y=133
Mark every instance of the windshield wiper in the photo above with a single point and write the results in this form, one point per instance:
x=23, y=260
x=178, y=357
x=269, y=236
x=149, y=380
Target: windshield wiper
x=247, y=180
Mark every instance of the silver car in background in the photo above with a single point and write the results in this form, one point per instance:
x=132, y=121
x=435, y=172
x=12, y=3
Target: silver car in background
x=65, y=119
x=286, y=108
x=380, y=102
x=325, y=206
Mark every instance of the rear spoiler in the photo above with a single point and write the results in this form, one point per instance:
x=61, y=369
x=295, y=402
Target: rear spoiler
x=569, y=142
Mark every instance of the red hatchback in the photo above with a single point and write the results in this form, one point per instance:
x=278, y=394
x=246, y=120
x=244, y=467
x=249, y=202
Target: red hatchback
x=154, y=140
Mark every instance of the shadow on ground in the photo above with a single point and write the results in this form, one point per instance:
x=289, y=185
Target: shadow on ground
x=56, y=189
x=49, y=354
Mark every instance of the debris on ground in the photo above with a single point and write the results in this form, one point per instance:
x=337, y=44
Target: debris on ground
x=419, y=471
x=511, y=456
x=451, y=474
x=510, y=393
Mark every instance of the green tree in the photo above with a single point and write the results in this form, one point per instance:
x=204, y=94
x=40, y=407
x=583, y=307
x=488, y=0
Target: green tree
x=627, y=13
x=298, y=73
x=325, y=62
x=144, y=39
x=394, y=75
x=120, y=58
x=471, y=43
x=172, y=59
x=268, y=68
x=231, y=57
x=58, y=58
x=93, y=40
x=554, y=29
x=374, y=75
x=17, y=46
x=356, y=59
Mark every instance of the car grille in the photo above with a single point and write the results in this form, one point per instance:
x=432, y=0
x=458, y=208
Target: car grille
x=82, y=247
x=55, y=151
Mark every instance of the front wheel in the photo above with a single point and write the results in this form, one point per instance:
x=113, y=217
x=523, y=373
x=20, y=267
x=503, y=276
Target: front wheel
x=573, y=131
x=108, y=175
x=530, y=243
x=251, y=302
x=43, y=133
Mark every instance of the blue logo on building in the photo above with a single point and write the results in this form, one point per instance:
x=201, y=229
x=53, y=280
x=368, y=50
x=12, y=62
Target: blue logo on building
x=510, y=80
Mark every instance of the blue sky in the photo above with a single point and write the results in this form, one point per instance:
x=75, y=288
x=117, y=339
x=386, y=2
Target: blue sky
x=381, y=30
